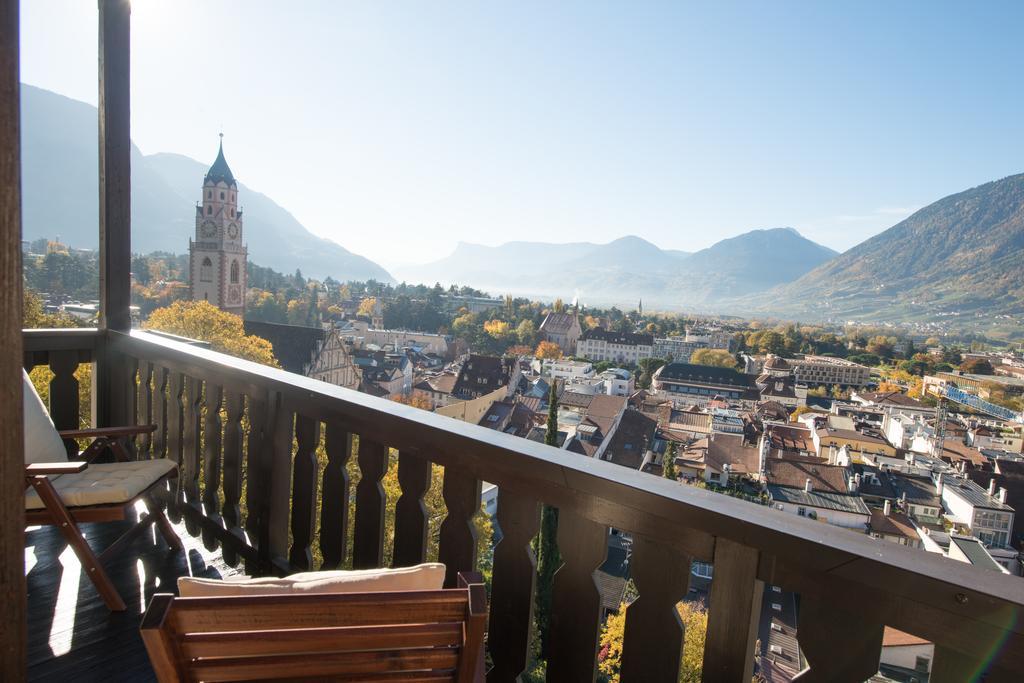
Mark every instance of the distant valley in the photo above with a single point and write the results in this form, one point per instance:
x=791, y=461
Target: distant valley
x=630, y=268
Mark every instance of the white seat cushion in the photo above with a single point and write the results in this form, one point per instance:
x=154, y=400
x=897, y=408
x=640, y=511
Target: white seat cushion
x=42, y=442
x=104, y=483
x=427, y=576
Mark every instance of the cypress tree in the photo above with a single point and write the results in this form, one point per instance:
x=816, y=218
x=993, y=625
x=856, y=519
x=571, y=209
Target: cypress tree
x=548, y=557
x=668, y=466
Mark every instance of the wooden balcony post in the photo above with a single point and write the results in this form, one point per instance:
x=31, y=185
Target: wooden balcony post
x=12, y=468
x=735, y=612
x=111, y=379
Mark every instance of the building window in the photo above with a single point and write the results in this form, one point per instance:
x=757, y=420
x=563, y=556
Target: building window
x=206, y=271
x=234, y=272
x=232, y=213
x=222, y=195
x=209, y=194
x=209, y=210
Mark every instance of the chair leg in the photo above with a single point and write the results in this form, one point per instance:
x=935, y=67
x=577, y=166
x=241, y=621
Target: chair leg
x=93, y=569
x=162, y=523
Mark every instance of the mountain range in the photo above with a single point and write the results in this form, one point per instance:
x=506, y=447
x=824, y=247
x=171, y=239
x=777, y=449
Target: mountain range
x=60, y=157
x=631, y=268
x=962, y=255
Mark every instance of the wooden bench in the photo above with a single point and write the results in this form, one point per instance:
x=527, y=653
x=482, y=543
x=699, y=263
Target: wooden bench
x=427, y=635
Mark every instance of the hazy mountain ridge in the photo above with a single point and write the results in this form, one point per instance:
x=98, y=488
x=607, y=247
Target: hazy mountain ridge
x=630, y=267
x=963, y=253
x=59, y=190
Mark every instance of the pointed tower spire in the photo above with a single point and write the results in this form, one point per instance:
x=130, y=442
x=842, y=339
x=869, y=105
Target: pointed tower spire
x=220, y=171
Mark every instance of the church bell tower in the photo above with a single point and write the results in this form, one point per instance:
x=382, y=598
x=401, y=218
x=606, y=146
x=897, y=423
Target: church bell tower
x=217, y=255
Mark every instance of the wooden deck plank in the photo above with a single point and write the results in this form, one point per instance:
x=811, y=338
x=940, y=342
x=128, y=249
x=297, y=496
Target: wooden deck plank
x=93, y=643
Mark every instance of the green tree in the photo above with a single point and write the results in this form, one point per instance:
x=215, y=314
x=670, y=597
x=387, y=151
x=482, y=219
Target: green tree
x=668, y=467
x=772, y=342
x=526, y=333
x=977, y=366
x=548, y=557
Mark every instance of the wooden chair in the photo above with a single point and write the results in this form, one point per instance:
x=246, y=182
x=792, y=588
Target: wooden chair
x=65, y=492
x=423, y=635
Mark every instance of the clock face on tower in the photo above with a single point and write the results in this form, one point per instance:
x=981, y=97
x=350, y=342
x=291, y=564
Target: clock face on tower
x=232, y=231
x=208, y=229
x=234, y=295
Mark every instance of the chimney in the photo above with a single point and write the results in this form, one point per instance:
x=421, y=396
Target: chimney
x=992, y=486
x=807, y=485
x=887, y=508
x=1002, y=495
x=938, y=485
x=857, y=479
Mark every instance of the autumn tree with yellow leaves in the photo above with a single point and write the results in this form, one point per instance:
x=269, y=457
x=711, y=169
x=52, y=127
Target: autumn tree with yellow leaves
x=204, y=321
x=695, y=625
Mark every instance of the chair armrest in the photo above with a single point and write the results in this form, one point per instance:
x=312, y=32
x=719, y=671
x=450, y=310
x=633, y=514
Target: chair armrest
x=41, y=468
x=106, y=432
x=466, y=579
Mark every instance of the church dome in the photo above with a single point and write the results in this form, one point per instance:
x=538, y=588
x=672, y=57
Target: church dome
x=220, y=171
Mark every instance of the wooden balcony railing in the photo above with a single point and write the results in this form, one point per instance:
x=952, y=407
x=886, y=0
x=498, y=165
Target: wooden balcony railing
x=247, y=439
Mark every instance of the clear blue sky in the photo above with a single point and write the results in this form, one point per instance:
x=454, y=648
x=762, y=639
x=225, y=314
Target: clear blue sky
x=400, y=128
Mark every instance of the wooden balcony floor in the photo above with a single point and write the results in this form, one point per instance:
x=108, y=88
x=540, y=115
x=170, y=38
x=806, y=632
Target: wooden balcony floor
x=72, y=635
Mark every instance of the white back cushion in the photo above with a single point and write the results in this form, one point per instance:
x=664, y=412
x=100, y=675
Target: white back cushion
x=426, y=576
x=42, y=443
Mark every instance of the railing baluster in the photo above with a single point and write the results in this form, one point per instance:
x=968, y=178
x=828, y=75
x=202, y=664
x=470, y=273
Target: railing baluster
x=512, y=587
x=175, y=439
x=368, y=540
x=158, y=445
x=839, y=646
x=951, y=666
x=234, y=405
x=212, y=444
x=575, y=601
x=257, y=484
x=64, y=394
x=281, y=484
x=457, y=537
x=334, y=503
x=734, y=613
x=145, y=408
x=307, y=436
x=652, y=643
x=191, y=451
x=131, y=365
x=411, y=519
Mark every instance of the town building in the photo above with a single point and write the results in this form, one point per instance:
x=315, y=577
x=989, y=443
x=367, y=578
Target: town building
x=828, y=440
x=676, y=349
x=562, y=329
x=218, y=255
x=422, y=342
x=436, y=389
x=712, y=337
x=807, y=488
x=617, y=382
x=814, y=370
x=618, y=347
x=481, y=375
x=699, y=384
x=310, y=351
x=983, y=512
x=564, y=369
x=894, y=526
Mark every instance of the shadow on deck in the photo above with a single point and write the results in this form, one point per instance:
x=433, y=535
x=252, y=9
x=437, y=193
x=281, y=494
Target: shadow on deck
x=71, y=634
